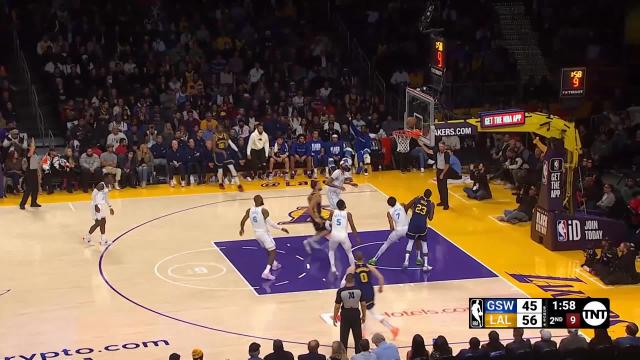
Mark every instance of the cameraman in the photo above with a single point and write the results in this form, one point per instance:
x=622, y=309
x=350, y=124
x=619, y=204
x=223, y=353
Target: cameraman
x=480, y=189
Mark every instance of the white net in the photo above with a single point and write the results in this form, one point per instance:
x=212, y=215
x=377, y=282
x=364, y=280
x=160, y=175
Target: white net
x=403, y=140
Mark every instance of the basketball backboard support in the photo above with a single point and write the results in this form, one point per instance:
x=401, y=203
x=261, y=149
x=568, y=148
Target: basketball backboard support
x=421, y=106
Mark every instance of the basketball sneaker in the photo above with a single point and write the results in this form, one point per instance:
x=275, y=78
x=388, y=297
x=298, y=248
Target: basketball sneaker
x=366, y=172
x=394, y=332
x=268, y=276
x=276, y=266
x=240, y=188
x=372, y=262
x=221, y=186
x=419, y=261
x=87, y=239
x=426, y=268
x=405, y=265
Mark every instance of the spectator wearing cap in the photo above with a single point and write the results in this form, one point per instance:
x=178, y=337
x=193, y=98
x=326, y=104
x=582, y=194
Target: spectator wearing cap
x=279, y=353
x=631, y=339
x=572, y=342
x=312, y=347
x=254, y=351
x=109, y=163
x=197, y=354
x=545, y=343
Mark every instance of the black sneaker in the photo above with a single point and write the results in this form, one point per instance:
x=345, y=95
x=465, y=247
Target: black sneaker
x=36, y=205
x=440, y=204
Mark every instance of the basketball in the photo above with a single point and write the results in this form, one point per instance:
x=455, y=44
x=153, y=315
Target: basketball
x=410, y=123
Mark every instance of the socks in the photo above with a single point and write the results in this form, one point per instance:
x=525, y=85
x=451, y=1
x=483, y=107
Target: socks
x=382, y=249
x=409, y=248
x=332, y=259
x=267, y=269
x=425, y=252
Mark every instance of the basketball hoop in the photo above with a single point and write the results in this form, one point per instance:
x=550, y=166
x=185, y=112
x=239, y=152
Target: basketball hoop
x=403, y=138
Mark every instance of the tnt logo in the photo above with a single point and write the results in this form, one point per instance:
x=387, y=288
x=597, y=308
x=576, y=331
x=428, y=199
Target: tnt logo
x=595, y=313
x=556, y=165
x=569, y=230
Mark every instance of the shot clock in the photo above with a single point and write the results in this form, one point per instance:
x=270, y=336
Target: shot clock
x=437, y=64
x=578, y=313
x=572, y=83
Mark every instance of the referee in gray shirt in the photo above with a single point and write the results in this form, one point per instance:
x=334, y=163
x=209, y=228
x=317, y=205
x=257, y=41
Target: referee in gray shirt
x=352, y=311
x=31, y=177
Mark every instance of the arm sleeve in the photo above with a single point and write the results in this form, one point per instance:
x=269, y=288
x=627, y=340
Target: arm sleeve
x=273, y=225
x=249, y=143
x=233, y=146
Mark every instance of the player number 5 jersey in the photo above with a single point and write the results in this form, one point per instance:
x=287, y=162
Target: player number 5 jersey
x=339, y=222
x=399, y=215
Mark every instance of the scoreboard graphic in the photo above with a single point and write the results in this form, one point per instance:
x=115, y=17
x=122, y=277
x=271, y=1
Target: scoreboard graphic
x=578, y=313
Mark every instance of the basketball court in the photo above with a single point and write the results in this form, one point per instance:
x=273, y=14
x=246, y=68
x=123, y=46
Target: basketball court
x=179, y=276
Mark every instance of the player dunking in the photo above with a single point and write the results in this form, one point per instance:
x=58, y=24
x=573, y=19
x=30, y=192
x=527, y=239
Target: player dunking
x=336, y=183
x=99, y=204
x=315, y=211
x=398, y=223
x=363, y=274
x=422, y=209
x=338, y=235
x=260, y=221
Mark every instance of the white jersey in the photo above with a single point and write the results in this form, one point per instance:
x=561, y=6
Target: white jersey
x=257, y=219
x=399, y=215
x=339, y=222
x=339, y=178
x=101, y=199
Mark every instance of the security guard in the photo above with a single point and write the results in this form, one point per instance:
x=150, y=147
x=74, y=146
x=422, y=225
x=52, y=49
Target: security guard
x=352, y=309
x=31, y=177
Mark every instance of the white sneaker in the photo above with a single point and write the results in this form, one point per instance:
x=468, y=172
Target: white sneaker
x=421, y=170
x=430, y=162
x=276, y=266
x=116, y=186
x=334, y=271
x=87, y=239
x=426, y=268
x=226, y=181
x=248, y=178
x=183, y=183
x=405, y=265
x=172, y=183
x=270, y=177
x=268, y=276
x=106, y=242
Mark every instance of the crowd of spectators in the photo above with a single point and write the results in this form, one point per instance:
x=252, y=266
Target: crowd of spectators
x=389, y=32
x=573, y=346
x=188, y=72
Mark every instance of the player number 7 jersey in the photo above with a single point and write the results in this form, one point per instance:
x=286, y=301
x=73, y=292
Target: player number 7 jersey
x=399, y=215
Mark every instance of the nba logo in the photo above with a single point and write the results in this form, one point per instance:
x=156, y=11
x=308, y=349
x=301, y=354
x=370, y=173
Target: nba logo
x=556, y=165
x=563, y=232
x=476, y=316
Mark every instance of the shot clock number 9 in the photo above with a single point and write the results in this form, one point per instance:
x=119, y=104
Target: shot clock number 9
x=572, y=82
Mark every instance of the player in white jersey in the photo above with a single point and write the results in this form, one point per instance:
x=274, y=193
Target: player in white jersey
x=335, y=183
x=398, y=223
x=339, y=235
x=260, y=221
x=99, y=204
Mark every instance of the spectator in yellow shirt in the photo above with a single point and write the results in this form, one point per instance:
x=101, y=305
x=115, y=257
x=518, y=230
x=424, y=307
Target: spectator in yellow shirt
x=208, y=122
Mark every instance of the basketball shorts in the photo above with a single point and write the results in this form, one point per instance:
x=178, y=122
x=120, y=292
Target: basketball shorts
x=222, y=159
x=318, y=226
x=333, y=196
x=99, y=215
x=416, y=233
x=368, y=295
x=396, y=234
x=266, y=241
x=340, y=238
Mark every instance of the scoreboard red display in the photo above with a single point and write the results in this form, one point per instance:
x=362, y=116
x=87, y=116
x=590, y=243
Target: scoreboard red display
x=572, y=82
x=438, y=63
x=559, y=313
